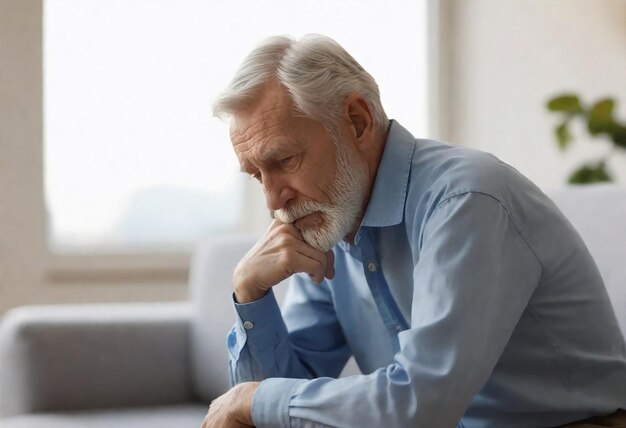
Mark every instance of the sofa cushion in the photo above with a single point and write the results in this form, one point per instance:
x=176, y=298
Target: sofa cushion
x=180, y=416
x=79, y=357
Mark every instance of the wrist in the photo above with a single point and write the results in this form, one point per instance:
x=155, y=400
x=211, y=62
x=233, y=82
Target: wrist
x=243, y=296
x=245, y=396
x=244, y=291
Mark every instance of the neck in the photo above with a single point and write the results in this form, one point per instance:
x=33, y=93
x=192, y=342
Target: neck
x=373, y=157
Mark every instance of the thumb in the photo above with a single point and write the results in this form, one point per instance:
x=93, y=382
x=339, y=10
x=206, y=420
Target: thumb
x=330, y=265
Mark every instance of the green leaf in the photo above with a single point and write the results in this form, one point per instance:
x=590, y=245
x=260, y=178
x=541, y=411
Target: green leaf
x=590, y=174
x=600, y=120
x=567, y=103
x=619, y=136
x=563, y=136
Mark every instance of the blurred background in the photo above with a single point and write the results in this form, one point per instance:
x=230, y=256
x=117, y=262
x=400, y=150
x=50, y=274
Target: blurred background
x=112, y=167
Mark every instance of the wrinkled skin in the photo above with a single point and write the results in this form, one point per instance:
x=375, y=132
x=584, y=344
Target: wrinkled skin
x=232, y=409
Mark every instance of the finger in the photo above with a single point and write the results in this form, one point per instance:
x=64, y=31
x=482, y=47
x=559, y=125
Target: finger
x=298, y=261
x=277, y=228
x=312, y=267
x=330, y=264
x=305, y=249
x=279, y=236
x=275, y=223
x=312, y=253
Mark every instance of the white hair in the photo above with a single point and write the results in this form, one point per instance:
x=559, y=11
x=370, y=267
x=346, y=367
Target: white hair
x=316, y=71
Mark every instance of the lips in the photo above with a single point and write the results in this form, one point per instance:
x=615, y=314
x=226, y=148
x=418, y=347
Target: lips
x=308, y=220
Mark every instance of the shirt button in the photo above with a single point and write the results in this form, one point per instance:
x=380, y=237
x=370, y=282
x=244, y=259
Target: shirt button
x=371, y=266
x=398, y=328
x=248, y=325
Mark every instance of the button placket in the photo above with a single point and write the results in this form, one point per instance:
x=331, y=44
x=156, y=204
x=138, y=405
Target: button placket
x=387, y=307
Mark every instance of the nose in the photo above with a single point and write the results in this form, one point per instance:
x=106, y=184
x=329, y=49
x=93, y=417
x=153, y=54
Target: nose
x=277, y=192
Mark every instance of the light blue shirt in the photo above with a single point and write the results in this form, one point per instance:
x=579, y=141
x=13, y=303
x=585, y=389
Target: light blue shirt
x=467, y=300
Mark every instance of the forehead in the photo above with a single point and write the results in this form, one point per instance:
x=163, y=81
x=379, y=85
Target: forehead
x=267, y=126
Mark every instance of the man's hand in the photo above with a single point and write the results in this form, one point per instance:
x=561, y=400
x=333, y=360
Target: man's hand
x=232, y=409
x=278, y=255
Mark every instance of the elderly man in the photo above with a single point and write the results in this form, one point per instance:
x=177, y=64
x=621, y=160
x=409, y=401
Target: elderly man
x=465, y=296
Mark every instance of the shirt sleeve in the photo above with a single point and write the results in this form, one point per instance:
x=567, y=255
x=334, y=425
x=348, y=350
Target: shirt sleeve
x=305, y=342
x=473, y=280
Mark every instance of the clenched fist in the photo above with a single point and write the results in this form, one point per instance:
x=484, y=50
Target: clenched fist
x=275, y=257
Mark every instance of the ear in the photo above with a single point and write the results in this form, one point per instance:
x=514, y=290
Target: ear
x=360, y=118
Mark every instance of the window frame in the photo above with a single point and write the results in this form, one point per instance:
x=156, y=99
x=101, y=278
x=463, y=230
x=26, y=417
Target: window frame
x=95, y=267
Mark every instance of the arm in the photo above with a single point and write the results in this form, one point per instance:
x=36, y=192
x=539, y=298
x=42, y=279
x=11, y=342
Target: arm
x=473, y=280
x=304, y=342
x=259, y=345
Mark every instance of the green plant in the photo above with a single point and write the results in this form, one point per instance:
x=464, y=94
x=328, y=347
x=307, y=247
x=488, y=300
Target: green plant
x=600, y=123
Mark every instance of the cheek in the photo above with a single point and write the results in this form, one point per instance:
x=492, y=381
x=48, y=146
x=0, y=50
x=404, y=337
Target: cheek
x=314, y=187
x=314, y=179
x=324, y=183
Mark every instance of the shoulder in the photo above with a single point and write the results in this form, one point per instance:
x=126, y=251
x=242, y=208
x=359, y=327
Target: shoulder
x=442, y=171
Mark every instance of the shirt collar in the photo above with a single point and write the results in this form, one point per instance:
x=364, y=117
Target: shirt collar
x=386, y=204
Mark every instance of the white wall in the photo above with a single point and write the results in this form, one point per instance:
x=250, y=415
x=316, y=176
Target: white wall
x=508, y=57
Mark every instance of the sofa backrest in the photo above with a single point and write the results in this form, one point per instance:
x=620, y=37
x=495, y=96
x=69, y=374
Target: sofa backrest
x=210, y=283
x=598, y=212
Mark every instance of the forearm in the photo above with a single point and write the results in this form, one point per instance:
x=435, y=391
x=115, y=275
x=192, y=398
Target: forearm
x=258, y=366
x=259, y=345
x=391, y=396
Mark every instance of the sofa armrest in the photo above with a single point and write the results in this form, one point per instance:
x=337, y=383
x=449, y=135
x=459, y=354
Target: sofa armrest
x=70, y=357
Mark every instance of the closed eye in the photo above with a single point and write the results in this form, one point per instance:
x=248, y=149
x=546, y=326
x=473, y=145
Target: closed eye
x=287, y=161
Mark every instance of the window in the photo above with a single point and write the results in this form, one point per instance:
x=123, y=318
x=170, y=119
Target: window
x=133, y=158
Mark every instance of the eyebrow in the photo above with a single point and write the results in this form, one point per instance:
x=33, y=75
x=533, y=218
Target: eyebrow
x=270, y=154
x=245, y=167
x=277, y=150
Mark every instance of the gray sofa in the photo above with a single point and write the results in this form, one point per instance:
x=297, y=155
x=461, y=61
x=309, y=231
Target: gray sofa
x=158, y=365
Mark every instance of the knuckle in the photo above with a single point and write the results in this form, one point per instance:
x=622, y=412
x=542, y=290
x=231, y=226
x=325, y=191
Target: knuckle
x=285, y=241
x=322, y=264
x=283, y=228
x=286, y=258
x=289, y=228
x=282, y=240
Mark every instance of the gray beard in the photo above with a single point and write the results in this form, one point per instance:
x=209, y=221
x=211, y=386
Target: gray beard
x=339, y=216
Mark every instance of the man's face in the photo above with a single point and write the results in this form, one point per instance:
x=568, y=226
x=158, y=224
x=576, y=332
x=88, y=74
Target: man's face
x=310, y=178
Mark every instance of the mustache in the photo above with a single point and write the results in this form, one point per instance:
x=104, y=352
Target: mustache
x=298, y=210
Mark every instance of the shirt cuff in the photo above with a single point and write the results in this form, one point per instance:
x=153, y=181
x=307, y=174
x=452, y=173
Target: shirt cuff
x=270, y=404
x=260, y=323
